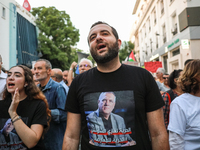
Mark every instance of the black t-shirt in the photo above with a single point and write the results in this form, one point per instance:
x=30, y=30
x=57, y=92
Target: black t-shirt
x=136, y=94
x=31, y=112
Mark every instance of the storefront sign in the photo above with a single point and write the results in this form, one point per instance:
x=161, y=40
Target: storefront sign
x=170, y=45
x=185, y=44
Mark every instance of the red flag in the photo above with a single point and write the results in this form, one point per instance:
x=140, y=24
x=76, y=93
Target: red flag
x=26, y=5
x=131, y=57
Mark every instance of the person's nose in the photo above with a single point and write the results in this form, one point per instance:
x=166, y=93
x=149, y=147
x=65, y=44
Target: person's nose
x=35, y=71
x=11, y=77
x=98, y=38
x=106, y=103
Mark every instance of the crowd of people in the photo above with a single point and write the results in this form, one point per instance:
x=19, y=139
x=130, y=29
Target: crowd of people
x=109, y=106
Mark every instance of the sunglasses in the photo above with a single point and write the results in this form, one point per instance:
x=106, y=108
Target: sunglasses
x=86, y=65
x=165, y=77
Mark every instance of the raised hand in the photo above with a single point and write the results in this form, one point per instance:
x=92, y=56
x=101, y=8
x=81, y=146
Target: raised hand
x=14, y=104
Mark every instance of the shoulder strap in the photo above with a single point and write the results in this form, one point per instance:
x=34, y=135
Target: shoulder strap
x=169, y=98
x=171, y=93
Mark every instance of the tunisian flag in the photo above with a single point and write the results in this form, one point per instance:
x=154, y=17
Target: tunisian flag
x=131, y=57
x=26, y=5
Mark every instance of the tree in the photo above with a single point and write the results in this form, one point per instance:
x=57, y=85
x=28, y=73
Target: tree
x=56, y=37
x=125, y=50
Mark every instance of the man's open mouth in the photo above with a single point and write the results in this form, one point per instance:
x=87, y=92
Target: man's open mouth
x=101, y=46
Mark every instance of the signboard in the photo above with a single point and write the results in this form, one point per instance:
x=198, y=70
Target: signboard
x=185, y=44
x=153, y=66
x=132, y=63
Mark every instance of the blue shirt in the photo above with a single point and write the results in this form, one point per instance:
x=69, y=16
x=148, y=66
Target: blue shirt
x=56, y=97
x=65, y=86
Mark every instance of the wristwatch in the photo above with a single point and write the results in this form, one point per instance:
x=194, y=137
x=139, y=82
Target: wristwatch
x=71, y=69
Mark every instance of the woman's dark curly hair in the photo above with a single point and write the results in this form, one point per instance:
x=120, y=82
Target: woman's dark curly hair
x=32, y=91
x=188, y=79
x=175, y=74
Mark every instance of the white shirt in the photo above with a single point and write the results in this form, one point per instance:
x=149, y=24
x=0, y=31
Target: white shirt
x=3, y=77
x=184, y=120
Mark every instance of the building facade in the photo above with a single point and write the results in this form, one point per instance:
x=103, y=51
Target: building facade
x=166, y=31
x=18, y=35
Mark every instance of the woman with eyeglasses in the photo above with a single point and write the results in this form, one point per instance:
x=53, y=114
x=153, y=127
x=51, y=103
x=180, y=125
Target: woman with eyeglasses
x=169, y=95
x=184, y=123
x=27, y=109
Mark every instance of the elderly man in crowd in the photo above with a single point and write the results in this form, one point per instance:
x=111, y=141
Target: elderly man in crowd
x=159, y=74
x=84, y=65
x=56, y=97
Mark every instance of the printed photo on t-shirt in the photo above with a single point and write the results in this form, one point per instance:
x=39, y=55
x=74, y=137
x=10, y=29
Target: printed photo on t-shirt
x=110, y=118
x=8, y=136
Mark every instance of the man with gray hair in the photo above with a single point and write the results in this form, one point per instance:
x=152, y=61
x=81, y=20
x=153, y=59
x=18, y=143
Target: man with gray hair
x=3, y=77
x=56, y=97
x=84, y=65
x=103, y=120
x=159, y=74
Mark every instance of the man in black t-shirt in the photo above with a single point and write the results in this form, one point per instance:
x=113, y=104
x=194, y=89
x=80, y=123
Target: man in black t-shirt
x=139, y=100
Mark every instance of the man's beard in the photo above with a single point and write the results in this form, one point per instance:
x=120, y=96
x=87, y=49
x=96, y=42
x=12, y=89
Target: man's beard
x=111, y=54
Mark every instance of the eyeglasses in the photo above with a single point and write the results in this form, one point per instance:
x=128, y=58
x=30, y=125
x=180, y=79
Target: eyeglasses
x=165, y=77
x=86, y=65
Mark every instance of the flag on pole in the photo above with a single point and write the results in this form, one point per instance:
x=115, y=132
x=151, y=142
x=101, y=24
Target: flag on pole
x=26, y=5
x=77, y=70
x=131, y=57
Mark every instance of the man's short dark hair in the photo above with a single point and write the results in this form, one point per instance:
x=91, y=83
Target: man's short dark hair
x=114, y=31
x=47, y=63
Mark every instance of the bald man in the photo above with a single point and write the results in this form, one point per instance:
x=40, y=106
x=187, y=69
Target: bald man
x=56, y=75
x=65, y=76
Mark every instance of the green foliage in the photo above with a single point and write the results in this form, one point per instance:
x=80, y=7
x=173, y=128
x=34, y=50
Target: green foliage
x=57, y=36
x=125, y=50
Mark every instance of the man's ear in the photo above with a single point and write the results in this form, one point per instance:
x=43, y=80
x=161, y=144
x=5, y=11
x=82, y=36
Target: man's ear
x=49, y=71
x=98, y=101
x=119, y=43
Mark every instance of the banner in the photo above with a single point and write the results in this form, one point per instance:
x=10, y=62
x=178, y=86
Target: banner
x=153, y=66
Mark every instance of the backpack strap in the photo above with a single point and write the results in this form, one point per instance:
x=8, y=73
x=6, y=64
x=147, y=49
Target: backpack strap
x=169, y=98
x=171, y=93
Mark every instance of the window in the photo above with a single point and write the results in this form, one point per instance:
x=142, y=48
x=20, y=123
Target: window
x=174, y=29
x=165, y=62
x=164, y=34
x=3, y=12
x=149, y=24
x=176, y=52
x=154, y=17
x=162, y=7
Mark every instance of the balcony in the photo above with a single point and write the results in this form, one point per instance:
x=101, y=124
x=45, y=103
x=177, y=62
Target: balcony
x=174, y=30
x=164, y=39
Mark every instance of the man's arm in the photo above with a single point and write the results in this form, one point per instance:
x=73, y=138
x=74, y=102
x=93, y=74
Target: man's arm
x=70, y=74
x=59, y=114
x=72, y=133
x=158, y=132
